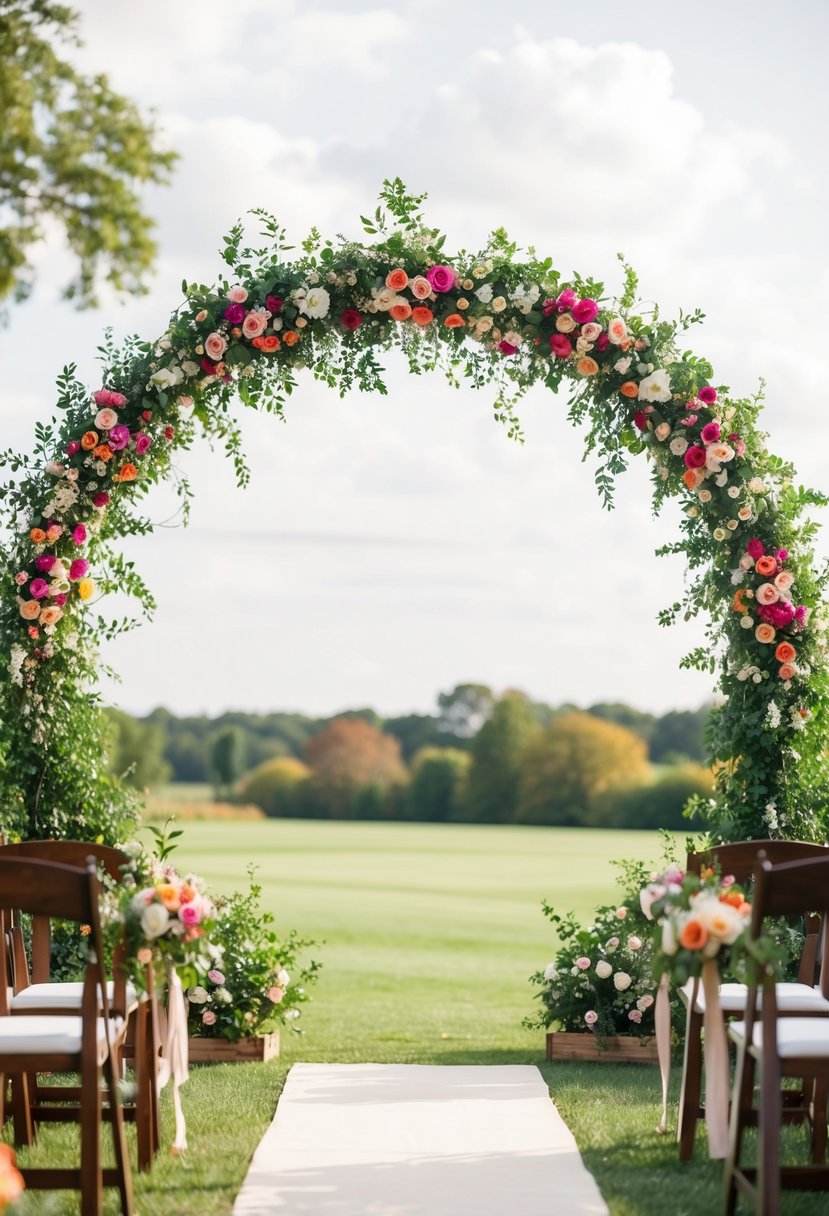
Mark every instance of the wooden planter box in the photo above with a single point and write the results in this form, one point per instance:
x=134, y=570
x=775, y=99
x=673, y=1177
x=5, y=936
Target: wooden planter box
x=221, y=1051
x=582, y=1045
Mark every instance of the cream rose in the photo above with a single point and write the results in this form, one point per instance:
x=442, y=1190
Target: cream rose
x=591, y=331
x=565, y=323
x=499, y=304
x=154, y=920
x=767, y=593
x=784, y=580
x=622, y=981
x=679, y=445
x=603, y=969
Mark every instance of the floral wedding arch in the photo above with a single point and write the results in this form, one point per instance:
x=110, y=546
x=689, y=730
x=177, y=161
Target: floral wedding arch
x=485, y=319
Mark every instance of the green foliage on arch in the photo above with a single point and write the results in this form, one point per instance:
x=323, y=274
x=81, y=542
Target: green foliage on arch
x=490, y=320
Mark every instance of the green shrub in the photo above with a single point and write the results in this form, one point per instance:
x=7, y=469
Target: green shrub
x=277, y=786
x=659, y=805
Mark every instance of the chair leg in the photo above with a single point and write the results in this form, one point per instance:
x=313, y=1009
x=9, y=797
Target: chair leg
x=768, y=1156
x=143, y=1110
x=92, y=1196
x=154, y=1056
x=691, y=1087
x=21, y=1110
x=119, y=1139
x=819, y=1101
x=741, y=1104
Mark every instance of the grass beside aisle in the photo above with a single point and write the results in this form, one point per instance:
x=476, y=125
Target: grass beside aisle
x=430, y=933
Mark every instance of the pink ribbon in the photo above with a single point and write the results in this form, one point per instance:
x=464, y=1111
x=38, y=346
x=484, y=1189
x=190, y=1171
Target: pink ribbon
x=716, y=1063
x=174, y=1057
x=662, y=1024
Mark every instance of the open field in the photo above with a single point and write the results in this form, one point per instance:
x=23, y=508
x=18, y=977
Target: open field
x=430, y=934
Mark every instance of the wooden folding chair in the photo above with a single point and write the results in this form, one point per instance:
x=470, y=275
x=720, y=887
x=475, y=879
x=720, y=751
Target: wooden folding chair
x=800, y=997
x=780, y=1047
x=85, y=1042
x=34, y=993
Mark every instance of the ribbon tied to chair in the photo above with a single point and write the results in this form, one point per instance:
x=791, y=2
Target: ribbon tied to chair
x=174, y=1054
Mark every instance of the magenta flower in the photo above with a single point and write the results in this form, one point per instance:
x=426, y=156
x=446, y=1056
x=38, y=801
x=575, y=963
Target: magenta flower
x=190, y=914
x=780, y=614
x=142, y=445
x=585, y=311
x=441, y=278
x=235, y=314
x=695, y=457
x=60, y=600
x=38, y=588
x=119, y=437
x=100, y=499
x=561, y=346
x=708, y=395
x=800, y=614
x=79, y=534
x=45, y=562
x=781, y=555
x=755, y=548
x=352, y=319
x=710, y=433
x=603, y=341
x=78, y=569
x=72, y=447
x=273, y=304
x=549, y=307
x=507, y=348
x=566, y=300
x=640, y=420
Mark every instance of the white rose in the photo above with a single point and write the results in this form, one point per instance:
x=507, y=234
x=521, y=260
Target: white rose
x=747, y=622
x=154, y=920
x=733, y=491
x=316, y=303
x=283, y=979
x=621, y=981
x=679, y=445
x=720, y=534
x=499, y=304
x=757, y=485
x=167, y=377
x=190, y=368
x=197, y=995
x=603, y=969
x=746, y=562
x=484, y=293
x=704, y=495
x=622, y=365
x=656, y=387
x=550, y=972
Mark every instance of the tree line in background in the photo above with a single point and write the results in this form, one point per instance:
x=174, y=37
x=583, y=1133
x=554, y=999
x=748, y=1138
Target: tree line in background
x=481, y=758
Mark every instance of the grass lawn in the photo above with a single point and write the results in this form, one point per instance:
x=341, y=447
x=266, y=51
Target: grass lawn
x=430, y=933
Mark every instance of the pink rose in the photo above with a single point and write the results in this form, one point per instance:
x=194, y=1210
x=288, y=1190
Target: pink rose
x=21, y=577
x=201, y=315
x=215, y=977
x=708, y=395
x=79, y=534
x=621, y=913
x=38, y=588
x=583, y=963
x=79, y=569
x=237, y=295
x=441, y=278
x=585, y=311
x=566, y=300
x=635, y=1016
x=695, y=457
x=275, y=995
x=144, y=956
x=591, y=1017
x=617, y=331
x=215, y=346
x=101, y=499
x=255, y=324
x=143, y=443
x=119, y=437
x=105, y=419
x=208, y=1018
x=710, y=433
x=420, y=287
x=191, y=914
x=45, y=562
x=602, y=342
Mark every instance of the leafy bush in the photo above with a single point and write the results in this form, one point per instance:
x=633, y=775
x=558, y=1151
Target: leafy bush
x=660, y=805
x=277, y=786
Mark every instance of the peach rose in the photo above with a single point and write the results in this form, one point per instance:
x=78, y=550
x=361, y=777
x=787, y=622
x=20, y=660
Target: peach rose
x=29, y=609
x=617, y=331
x=103, y=452
x=767, y=593
x=50, y=615
x=420, y=287
x=400, y=312
x=422, y=315
x=90, y=441
x=201, y=315
x=565, y=323
x=290, y=337
x=127, y=472
x=787, y=671
x=453, y=321
x=215, y=346
x=739, y=601
x=169, y=896
x=268, y=343
x=693, y=478
x=255, y=323
x=587, y=366
x=397, y=279
x=785, y=653
x=237, y=295
x=765, y=565
x=693, y=935
x=784, y=580
x=765, y=633
x=37, y=536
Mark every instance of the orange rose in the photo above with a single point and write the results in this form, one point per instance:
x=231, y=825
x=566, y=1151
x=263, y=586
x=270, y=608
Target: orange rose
x=50, y=615
x=400, y=312
x=787, y=671
x=290, y=337
x=127, y=472
x=765, y=565
x=103, y=452
x=453, y=321
x=739, y=602
x=89, y=441
x=37, y=536
x=187, y=893
x=29, y=609
x=694, y=935
x=397, y=280
x=587, y=366
x=785, y=653
x=735, y=898
x=268, y=343
x=692, y=478
x=629, y=389
x=422, y=315
x=169, y=896
x=765, y=633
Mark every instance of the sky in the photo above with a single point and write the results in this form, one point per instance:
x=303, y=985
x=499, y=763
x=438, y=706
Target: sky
x=391, y=547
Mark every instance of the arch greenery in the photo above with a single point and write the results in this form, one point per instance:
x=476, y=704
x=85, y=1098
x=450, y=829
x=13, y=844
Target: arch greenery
x=489, y=320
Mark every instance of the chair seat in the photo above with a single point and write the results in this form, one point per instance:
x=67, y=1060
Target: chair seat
x=64, y=995
x=791, y=998
x=36, y=1035
x=795, y=1037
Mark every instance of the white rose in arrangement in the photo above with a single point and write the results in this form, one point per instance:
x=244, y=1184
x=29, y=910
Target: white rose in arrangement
x=167, y=377
x=622, y=981
x=719, y=534
x=704, y=495
x=644, y=1003
x=634, y=942
x=550, y=972
x=499, y=304
x=655, y=387
x=746, y=562
x=316, y=303
x=733, y=491
x=747, y=622
x=622, y=365
x=222, y=996
x=282, y=978
x=757, y=485
x=679, y=445
x=484, y=293
x=155, y=920
x=197, y=995
x=723, y=922
x=603, y=969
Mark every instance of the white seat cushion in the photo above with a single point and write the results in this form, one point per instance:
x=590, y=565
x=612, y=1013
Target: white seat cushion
x=795, y=1037
x=48, y=1035
x=60, y=996
x=791, y=998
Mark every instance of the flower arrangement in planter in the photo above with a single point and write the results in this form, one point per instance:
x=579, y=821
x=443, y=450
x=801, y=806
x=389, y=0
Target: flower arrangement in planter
x=249, y=981
x=601, y=981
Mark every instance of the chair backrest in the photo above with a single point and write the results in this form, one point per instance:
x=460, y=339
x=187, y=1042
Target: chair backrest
x=742, y=859
x=790, y=889
x=67, y=853
x=49, y=889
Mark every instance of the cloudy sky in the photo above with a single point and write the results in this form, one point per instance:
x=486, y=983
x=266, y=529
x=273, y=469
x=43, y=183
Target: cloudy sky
x=391, y=547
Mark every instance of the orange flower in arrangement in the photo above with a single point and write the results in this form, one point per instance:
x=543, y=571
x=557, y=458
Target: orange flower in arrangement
x=397, y=279
x=169, y=896
x=453, y=321
x=290, y=337
x=692, y=478
x=400, y=312
x=103, y=452
x=267, y=343
x=587, y=366
x=739, y=603
x=29, y=610
x=127, y=472
x=629, y=389
x=766, y=565
x=765, y=633
x=785, y=653
x=89, y=441
x=787, y=671
x=735, y=898
x=422, y=315
x=693, y=935
x=11, y=1180
x=37, y=536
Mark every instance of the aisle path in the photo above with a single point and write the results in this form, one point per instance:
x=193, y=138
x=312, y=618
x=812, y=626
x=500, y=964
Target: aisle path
x=417, y=1140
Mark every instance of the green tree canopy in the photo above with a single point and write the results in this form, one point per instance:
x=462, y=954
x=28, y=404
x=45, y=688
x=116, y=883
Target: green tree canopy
x=497, y=760
x=438, y=785
x=136, y=751
x=72, y=152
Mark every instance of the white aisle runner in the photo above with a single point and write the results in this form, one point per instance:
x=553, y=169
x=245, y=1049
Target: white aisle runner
x=417, y=1140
